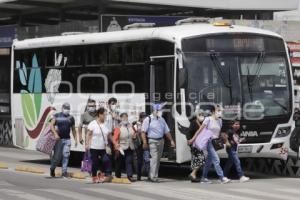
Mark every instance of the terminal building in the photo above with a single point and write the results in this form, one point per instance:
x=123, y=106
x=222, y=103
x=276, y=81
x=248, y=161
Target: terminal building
x=21, y=19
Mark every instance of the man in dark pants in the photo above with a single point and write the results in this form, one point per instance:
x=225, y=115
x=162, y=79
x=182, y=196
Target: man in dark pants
x=139, y=148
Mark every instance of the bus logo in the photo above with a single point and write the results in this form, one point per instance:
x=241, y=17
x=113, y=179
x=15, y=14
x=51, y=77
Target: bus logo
x=249, y=134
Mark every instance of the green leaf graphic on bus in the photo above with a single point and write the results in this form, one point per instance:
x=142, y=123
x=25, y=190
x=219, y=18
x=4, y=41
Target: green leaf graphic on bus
x=32, y=97
x=28, y=109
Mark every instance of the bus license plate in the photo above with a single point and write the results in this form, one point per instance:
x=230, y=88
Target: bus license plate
x=245, y=149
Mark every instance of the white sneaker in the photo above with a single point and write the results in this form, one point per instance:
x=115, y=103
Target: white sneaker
x=225, y=180
x=205, y=180
x=244, y=179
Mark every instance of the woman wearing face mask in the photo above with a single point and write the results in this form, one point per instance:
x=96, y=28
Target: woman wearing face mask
x=197, y=156
x=124, y=135
x=214, y=124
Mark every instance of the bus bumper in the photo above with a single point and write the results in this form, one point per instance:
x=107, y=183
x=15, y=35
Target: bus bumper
x=278, y=148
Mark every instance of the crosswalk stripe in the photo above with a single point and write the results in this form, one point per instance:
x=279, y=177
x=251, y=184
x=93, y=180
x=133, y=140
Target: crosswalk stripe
x=22, y=195
x=118, y=194
x=191, y=193
x=215, y=194
x=265, y=194
x=289, y=190
x=162, y=192
x=69, y=194
x=4, y=183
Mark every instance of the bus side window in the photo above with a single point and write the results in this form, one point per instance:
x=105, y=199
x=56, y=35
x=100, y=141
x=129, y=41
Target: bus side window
x=96, y=55
x=135, y=52
x=115, y=54
x=74, y=55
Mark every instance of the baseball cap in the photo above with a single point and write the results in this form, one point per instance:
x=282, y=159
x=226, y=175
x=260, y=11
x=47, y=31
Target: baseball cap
x=157, y=107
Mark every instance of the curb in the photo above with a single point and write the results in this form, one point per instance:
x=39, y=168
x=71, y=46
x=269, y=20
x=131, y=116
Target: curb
x=78, y=175
x=75, y=175
x=35, y=170
x=121, y=181
x=3, y=166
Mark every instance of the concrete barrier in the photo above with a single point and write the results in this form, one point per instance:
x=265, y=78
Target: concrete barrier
x=121, y=181
x=3, y=166
x=78, y=175
x=30, y=169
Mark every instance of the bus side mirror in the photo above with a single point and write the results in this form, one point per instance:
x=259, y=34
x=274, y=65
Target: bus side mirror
x=182, y=78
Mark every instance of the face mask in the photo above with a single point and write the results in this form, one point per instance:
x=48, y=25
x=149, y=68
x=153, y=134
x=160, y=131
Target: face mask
x=124, y=122
x=219, y=114
x=236, y=127
x=91, y=109
x=113, y=107
x=159, y=114
x=66, y=112
x=200, y=118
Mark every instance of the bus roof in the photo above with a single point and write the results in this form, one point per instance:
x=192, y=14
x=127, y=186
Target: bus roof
x=170, y=33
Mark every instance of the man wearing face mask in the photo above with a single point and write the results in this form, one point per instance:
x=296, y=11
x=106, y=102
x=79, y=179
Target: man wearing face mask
x=154, y=129
x=112, y=119
x=61, y=125
x=87, y=117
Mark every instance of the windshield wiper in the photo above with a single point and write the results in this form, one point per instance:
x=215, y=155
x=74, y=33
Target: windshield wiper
x=259, y=62
x=279, y=104
x=216, y=63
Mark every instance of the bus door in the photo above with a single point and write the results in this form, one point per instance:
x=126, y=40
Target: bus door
x=162, y=91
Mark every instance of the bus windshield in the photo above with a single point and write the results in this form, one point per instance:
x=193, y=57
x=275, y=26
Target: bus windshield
x=240, y=79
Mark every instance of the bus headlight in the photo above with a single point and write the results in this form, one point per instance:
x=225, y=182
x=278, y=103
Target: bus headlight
x=283, y=132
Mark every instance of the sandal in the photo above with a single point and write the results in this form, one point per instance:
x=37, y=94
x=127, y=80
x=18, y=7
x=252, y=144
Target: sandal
x=194, y=179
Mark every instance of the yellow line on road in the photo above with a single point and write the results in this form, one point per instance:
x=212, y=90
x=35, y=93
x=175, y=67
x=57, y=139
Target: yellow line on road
x=3, y=166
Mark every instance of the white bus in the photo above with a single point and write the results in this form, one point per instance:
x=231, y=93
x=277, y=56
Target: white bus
x=245, y=70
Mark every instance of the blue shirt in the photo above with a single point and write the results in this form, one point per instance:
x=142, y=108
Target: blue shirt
x=157, y=129
x=64, y=124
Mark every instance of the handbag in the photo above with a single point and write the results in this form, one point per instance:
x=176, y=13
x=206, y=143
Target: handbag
x=202, y=139
x=46, y=141
x=86, y=163
x=218, y=144
x=107, y=147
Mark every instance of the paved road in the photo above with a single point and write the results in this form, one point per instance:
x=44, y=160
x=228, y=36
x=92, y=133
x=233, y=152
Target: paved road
x=18, y=185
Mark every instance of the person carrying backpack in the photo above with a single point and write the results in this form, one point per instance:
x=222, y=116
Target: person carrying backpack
x=153, y=139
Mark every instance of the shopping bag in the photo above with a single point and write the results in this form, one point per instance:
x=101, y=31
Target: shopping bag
x=86, y=163
x=46, y=141
x=202, y=139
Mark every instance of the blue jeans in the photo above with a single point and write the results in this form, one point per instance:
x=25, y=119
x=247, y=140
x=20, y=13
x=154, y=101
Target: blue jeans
x=146, y=158
x=212, y=158
x=61, y=150
x=233, y=159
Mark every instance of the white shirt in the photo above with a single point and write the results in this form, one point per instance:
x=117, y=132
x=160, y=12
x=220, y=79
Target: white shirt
x=97, y=138
x=214, y=125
